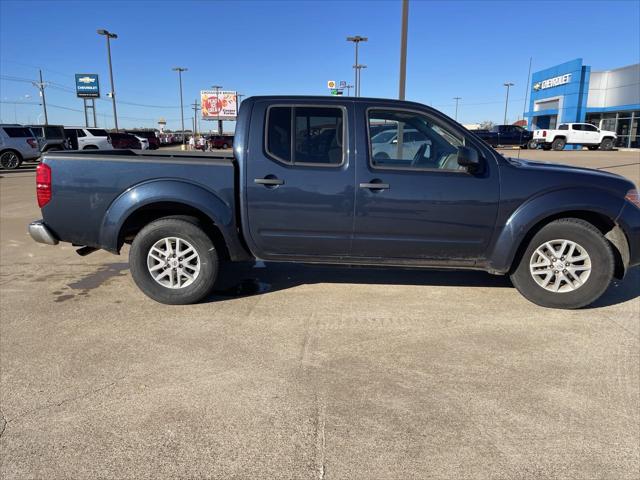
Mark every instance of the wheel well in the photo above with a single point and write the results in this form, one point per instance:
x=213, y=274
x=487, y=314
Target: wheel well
x=90, y=147
x=598, y=220
x=149, y=213
x=607, y=138
x=559, y=137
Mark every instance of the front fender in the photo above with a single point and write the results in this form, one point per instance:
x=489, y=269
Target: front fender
x=156, y=191
x=550, y=204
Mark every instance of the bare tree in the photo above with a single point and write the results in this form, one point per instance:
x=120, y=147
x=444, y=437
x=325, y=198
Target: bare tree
x=486, y=125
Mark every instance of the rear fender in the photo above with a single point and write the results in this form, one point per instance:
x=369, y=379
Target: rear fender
x=548, y=205
x=157, y=191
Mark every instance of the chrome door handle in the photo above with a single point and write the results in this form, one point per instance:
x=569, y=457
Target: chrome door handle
x=268, y=181
x=375, y=186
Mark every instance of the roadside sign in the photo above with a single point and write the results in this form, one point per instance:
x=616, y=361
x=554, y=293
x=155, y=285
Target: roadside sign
x=343, y=84
x=87, y=85
x=220, y=106
x=331, y=84
x=336, y=91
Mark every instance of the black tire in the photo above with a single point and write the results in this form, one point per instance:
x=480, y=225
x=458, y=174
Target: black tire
x=532, y=145
x=558, y=144
x=590, y=239
x=10, y=160
x=189, y=231
x=546, y=147
x=593, y=147
x=606, y=144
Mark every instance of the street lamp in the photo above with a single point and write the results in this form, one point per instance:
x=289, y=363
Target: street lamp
x=356, y=40
x=109, y=36
x=217, y=89
x=180, y=70
x=506, y=103
x=457, y=99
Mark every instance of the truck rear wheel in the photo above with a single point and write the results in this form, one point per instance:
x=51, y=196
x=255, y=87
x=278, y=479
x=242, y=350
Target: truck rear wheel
x=10, y=160
x=568, y=264
x=173, y=261
x=607, y=144
x=532, y=145
x=558, y=144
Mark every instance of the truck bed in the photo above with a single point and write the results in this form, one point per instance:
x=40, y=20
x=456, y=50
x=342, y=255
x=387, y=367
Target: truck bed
x=90, y=182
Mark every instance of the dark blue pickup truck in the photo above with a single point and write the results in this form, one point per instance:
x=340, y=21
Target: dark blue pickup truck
x=322, y=180
x=507, y=135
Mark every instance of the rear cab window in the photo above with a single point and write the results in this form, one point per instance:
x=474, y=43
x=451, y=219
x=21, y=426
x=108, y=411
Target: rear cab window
x=564, y=126
x=306, y=135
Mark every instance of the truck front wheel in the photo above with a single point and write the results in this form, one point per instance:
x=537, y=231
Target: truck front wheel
x=173, y=261
x=558, y=144
x=532, y=145
x=567, y=264
x=607, y=144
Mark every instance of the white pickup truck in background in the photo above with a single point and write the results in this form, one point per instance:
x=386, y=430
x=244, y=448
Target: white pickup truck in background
x=575, y=134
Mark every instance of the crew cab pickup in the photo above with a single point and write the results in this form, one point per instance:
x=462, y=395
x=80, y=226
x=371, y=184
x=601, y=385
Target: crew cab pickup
x=505, y=135
x=575, y=134
x=304, y=184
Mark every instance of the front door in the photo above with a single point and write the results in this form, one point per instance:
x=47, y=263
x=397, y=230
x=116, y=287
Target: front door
x=299, y=181
x=421, y=204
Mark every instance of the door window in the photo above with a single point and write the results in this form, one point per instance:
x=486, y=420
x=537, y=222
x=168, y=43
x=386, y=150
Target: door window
x=80, y=133
x=426, y=145
x=306, y=135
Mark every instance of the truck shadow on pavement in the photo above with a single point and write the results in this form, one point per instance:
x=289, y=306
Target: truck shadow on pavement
x=247, y=279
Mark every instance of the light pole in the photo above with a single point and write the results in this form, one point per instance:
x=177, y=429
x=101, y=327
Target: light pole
x=217, y=88
x=180, y=70
x=348, y=87
x=403, y=49
x=356, y=40
x=109, y=36
x=457, y=99
x=506, y=103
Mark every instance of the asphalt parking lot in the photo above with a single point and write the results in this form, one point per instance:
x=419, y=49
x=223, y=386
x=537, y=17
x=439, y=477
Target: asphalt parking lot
x=309, y=372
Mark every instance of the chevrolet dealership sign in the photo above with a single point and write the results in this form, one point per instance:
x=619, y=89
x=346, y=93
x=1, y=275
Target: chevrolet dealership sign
x=87, y=85
x=552, y=82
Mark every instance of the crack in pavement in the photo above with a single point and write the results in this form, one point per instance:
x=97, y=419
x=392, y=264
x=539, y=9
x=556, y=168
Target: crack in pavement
x=59, y=403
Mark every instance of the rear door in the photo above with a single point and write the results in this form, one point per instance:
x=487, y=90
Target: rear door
x=591, y=134
x=299, y=180
x=422, y=205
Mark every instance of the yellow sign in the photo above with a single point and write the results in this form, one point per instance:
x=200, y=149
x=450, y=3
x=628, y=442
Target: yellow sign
x=331, y=84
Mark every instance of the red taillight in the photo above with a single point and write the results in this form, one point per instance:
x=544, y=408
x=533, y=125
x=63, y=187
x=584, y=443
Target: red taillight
x=544, y=133
x=32, y=142
x=43, y=184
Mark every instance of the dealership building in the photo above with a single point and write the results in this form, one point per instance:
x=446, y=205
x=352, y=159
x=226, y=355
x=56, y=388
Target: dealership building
x=571, y=92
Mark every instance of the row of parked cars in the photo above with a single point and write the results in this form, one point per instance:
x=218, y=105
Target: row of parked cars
x=19, y=143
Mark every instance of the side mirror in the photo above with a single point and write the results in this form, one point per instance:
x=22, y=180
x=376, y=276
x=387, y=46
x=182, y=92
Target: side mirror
x=469, y=159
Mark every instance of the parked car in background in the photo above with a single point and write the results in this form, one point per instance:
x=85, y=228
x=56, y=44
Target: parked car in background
x=506, y=135
x=575, y=134
x=303, y=186
x=124, y=141
x=152, y=139
x=50, y=137
x=17, y=144
x=221, y=141
x=83, y=138
x=144, y=143
x=384, y=145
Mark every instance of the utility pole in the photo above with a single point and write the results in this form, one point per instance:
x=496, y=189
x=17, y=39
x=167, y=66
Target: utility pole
x=356, y=41
x=506, y=103
x=109, y=36
x=358, y=68
x=40, y=86
x=348, y=87
x=180, y=70
x=218, y=105
x=457, y=99
x=195, y=106
x=403, y=49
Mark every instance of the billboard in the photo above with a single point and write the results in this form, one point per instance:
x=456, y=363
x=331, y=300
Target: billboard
x=222, y=106
x=87, y=85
